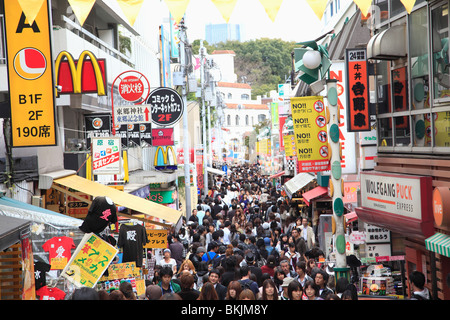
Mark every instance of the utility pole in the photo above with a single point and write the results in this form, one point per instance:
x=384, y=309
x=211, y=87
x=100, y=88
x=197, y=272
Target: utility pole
x=187, y=176
x=205, y=140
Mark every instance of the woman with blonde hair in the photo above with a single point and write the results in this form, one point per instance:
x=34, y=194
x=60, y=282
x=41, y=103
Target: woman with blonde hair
x=187, y=265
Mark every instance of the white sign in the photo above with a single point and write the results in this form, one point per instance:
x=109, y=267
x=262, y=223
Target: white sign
x=378, y=250
x=357, y=237
x=396, y=194
x=106, y=155
x=132, y=114
x=375, y=234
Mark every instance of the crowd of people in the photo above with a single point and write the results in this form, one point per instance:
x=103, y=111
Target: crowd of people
x=244, y=241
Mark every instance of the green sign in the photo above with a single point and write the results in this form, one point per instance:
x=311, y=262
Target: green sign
x=165, y=196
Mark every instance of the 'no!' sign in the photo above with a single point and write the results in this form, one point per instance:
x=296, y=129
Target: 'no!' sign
x=166, y=106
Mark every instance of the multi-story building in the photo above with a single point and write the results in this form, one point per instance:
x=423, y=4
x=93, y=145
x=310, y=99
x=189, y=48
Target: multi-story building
x=215, y=33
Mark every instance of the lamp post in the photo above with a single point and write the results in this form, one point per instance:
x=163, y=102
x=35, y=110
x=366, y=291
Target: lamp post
x=313, y=63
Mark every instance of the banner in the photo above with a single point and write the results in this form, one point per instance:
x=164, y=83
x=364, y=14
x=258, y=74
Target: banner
x=310, y=130
x=318, y=6
x=289, y=145
x=177, y=8
x=31, y=8
x=274, y=115
x=131, y=9
x=225, y=7
x=364, y=6
x=272, y=7
x=89, y=261
x=81, y=9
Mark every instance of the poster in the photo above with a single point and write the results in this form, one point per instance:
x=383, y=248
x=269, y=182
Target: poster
x=89, y=261
x=106, y=155
x=157, y=239
x=289, y=145
x=310, y=131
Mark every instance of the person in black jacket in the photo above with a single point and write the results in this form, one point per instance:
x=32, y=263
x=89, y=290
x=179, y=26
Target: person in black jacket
x=214, y=277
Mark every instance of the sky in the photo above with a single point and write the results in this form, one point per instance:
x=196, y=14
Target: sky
x=295, y=20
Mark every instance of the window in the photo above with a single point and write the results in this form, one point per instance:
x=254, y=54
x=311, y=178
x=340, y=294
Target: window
x=397, y=7
x=441, y=77
x=246, y=120
x=228, y=120
x=230, y=96
x=245, y=96
x=237, y=120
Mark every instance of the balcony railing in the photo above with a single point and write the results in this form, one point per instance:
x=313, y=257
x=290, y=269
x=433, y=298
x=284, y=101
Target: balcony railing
x=83, y=33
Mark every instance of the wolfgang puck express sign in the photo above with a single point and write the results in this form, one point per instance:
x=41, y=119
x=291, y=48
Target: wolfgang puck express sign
x=403, y=195
x=30, y=76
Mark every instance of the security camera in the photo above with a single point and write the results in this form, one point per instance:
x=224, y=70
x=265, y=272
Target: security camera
x=58, y=88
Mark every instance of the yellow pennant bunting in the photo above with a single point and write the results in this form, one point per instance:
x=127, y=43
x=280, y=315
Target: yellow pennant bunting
x=81, y=9
x=177, y=8
x=318, y=6
x=225, y=7
x=272, y=7
x=131, y=9
x=364, y=6
x=409, y=4
x=31, y=8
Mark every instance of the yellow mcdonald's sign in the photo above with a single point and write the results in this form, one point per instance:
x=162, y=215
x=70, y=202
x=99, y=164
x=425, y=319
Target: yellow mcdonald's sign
x=76, y=70
x=165, y=157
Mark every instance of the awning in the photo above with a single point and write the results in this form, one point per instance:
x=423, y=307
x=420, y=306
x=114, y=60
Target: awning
x=297, y=182
x=148, y=208
x=439, y=243
x=389, y=44
x=216, y=171
x=10, y=231
x=21, y=210
x=276, y=175
x=313, y=194
x=351, y=216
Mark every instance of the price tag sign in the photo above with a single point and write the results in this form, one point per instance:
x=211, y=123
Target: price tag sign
x=166, y=106
x=30, y=76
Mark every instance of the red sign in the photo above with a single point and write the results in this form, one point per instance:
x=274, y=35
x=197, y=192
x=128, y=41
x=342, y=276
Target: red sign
x=162, y=137
x=131, y=88
x=358, y=90
x=102, y=162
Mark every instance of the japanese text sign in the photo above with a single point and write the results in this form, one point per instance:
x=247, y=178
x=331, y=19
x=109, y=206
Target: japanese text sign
x=166, y=106
x=106, y=155
x=89, y=261
x=310, y=132
x=30, y=76
x=163, y=137
x=289, y=145
x=358, y=90
x=132, y=114
x=157, y=239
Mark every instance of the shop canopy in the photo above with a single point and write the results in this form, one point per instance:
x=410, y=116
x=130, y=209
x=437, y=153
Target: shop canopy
x=11, y=230
x=439, y=243
x=314, y=194
x=297, y=182
x=276, y=175
x=151, y=210
x=21, y=210
x=351, y=216
x=215, y=171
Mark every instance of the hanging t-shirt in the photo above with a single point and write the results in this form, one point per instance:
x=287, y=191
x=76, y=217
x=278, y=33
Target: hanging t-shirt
x=101, y=213
x=46, y=293
x=59, y=251
x=132, y=239
x=40, y=270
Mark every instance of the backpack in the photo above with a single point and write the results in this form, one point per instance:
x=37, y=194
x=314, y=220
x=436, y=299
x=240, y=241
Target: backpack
x=246, y=284
x=210, y=261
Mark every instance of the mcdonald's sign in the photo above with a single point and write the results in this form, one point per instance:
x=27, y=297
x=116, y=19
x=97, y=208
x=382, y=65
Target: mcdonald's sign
x=89, y=76
x=165, y=158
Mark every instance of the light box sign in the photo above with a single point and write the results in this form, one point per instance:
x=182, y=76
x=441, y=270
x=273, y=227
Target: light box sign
x=358, y=90
x=162, y=137
x=30, y=76
x=402, y=195
x=106, y=155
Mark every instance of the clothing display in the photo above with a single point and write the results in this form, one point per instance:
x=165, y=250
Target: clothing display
x=132, y=240
x=59, y=251
x=40, y=270
x=47, y=293
x=101, y=213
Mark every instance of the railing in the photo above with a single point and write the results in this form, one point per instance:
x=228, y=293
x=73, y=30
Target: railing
x=83, y=33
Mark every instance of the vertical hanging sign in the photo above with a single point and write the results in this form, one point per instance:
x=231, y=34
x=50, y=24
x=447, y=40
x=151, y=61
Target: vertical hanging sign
x=30, y=76
x=358, y=90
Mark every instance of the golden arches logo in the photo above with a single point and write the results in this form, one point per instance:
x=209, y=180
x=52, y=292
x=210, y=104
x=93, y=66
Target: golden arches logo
x=76, y=71
x=165, y=157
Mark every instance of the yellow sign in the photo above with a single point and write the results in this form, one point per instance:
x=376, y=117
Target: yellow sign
x=289, y=145
x=165, y=157
x=157, y=239
x=89, y=261
x=310, y=131
x=122, y=271
x=30, y=75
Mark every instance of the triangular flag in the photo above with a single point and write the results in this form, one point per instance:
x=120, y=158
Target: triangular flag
x=81, y=9
x=408, y=4
x=31, y=8
x=364, y=6
x=318, y=6
x=225, y=7
x=131, y=9
x=177, y=8
x=272, y=7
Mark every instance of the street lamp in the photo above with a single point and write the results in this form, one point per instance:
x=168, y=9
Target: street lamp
x=313, y=62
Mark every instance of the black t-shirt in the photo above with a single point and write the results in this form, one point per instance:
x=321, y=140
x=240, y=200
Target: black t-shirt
x=101, y=213
x=40, y=269
x=132, y=239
